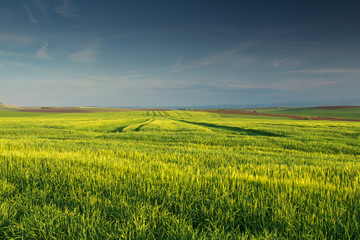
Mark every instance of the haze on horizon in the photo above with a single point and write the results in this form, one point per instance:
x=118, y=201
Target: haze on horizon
x=176, y=53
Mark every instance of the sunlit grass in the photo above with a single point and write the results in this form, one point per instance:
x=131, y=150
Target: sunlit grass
x=177, y=175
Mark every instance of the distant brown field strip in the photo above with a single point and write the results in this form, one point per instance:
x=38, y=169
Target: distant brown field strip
x=56, y=110
x=274, y=115
x=87, y=110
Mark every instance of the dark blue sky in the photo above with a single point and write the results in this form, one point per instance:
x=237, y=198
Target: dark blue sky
x=176, y=53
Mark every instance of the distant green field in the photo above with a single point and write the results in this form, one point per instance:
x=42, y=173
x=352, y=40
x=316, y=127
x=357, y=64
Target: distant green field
x=7, y=113
x=353, y=112
x=177, y=175
x=242, y=116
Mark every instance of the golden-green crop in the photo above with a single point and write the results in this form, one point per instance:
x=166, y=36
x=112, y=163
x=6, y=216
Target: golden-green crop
x=177, y=175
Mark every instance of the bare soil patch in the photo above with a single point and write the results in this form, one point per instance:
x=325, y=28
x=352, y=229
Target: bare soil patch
x=55, y=110
x=87, y=110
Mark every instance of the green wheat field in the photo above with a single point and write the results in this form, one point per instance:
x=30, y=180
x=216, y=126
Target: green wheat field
x=177, y=175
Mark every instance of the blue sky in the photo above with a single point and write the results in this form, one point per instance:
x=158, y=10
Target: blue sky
x=177, y=53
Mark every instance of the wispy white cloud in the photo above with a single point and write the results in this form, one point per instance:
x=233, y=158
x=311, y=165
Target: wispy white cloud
x=31, y=17
x=66, y=9
x=232, y=58
x=229, y=85
x=325, y=71
x=30, y=67
x=88, y=53
x=178, y=61
x=15, y=39
x=18, y=64
x=284, y=85
x=299, y=83
x=285, y=63
x=73, y=82
x=242, y=61
x=10, y=54
x=184, y=68
x=42, y=53
x=114, y=78
x=85, y=56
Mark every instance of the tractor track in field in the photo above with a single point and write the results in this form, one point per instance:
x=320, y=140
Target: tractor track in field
x=127, y=124
x=233, y=129
x=140, y=124
x=143, y=124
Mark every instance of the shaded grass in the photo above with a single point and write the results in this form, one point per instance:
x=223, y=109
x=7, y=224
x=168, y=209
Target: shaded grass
x=235, y=129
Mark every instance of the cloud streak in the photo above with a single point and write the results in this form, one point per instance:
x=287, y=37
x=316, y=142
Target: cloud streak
x=42, y=53
x=30, y=15
x=66, y=9
x=326, y=71
x=285, y=85
x=88, y=53
x=18, y=64
x=295, y=84
x=178, y=61
x=231, y=57
x=285, y=63
x=10, y=54
x=115, y=78
x=15, y=39
x=84, y=56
